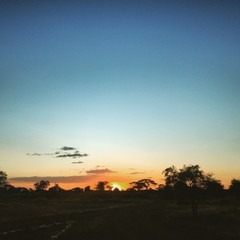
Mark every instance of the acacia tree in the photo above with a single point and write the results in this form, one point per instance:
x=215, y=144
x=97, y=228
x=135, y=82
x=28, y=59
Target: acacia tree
x=42, y=185
x=143, y=184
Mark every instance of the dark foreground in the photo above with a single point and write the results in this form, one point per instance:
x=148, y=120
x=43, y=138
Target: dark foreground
x=116, y=218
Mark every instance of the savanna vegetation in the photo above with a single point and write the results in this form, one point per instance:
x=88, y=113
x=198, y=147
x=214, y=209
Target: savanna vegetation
x=191, y=204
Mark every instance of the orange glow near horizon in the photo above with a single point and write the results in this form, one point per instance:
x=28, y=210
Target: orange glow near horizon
x=120, y=181
x=120, y=185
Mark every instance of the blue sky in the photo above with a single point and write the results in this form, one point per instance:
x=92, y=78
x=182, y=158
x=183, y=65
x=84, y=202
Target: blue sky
x=136, y=84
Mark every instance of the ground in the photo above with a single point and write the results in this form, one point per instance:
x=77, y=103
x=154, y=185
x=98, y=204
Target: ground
x=115, y=217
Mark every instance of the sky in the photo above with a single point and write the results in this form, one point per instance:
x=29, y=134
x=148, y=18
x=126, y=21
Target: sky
x=138, y=86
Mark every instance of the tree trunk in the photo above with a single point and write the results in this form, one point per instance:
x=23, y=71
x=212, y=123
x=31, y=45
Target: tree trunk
x=194, y=204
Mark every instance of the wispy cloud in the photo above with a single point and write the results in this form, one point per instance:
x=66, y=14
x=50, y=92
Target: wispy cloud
x=133, y=173
x=100, y=171
x=63, y=152
x=39, y=154
x=34, y=154
x=77, y=162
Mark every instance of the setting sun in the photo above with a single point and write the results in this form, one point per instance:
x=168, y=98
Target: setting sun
x=116, y=186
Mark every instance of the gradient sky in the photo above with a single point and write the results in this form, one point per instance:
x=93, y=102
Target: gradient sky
x=138, y=85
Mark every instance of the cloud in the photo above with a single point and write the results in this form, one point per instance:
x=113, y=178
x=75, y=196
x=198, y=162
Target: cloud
x=73, y=155
x=99, y=166
x=137, y=173
x=63, y=153
x=65, y=148
x=39, y=154
x=34, y=154
x=77, y=162
x=52, y=179
x=100, y=171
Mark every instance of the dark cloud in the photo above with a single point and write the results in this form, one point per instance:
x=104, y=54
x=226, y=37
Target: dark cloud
x=65, y=148
x=72, y=155
x=137, y=173
x=100, y=171
x=77, y=162
x=57, y=179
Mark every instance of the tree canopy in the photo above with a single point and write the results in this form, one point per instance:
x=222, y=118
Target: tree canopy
x=42, y=185
x=143, y=184
x=102, y=185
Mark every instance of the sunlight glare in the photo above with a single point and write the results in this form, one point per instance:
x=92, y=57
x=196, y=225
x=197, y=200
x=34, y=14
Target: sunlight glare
x=114, y=186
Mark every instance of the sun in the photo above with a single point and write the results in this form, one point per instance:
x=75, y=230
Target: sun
x=116, y=186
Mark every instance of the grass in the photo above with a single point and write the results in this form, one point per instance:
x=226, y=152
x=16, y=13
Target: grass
x=116, y=216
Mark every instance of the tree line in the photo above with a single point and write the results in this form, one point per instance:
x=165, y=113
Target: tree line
x=188, y=180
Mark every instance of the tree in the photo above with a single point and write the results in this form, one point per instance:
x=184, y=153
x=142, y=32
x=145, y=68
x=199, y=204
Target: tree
x=101, y=185
x=87, y=189
x=171, y=176
x=42, y=185
x=191, y=176
x=3, y=179
x=56, y=188
x=212, y=186
x=187, y=182
x=234, y=187
x=76, y=190
x=143, y=184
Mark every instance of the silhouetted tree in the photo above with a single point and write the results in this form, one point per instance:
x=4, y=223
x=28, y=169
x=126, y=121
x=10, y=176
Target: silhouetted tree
x=76, y=189
x=10, y=188
x=187, y=182
x=143, y=184
x=56, y=188
x=212, y=186
x=102, y=185
x=3, y=179
x=87, y=189
x=20, y=190
x=171, y=176
x=42, y=185
x=234, y=188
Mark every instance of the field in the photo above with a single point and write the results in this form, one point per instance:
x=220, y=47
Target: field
x=115, y=216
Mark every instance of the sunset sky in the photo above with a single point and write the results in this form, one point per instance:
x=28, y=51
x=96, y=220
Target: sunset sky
x=137, y=85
